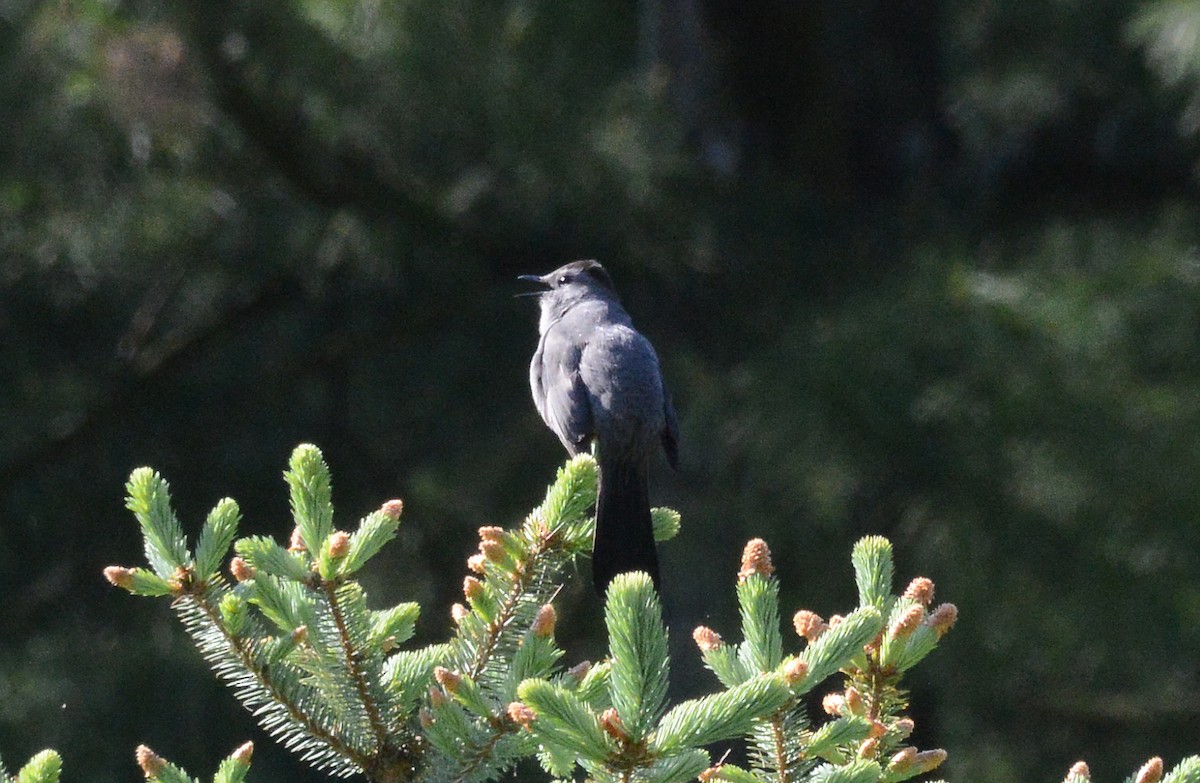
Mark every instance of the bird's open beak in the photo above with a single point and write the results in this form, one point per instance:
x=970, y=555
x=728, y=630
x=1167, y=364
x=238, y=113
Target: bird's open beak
x=538, y=281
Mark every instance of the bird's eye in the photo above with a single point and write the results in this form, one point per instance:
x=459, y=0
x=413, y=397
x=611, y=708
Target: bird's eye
x=563, y=280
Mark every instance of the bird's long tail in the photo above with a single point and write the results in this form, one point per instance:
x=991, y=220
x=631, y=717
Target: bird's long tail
x=624, y=530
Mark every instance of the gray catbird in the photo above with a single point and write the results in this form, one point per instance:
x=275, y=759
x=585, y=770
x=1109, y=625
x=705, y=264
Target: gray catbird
x=595, y=378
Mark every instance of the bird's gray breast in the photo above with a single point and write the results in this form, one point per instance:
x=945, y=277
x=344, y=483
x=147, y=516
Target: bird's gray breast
x=557, y=387
x=620, y=371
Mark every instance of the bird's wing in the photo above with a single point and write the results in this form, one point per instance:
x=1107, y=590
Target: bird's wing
x=561, y=397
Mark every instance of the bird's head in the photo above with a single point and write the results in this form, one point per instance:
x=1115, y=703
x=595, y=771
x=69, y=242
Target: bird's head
x=573, y=282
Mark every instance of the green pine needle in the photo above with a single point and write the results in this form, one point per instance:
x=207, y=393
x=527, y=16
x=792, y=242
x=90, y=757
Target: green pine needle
x=452, y=732
x=267, y=557
x=170, y=773
x=407, y=674
x=311, y=495
x=234, y=612
x=559, y=762
x=918, y=645
x=758, y=600
x=535, y=657
x=838, y=645
x=274, y=692
x=146, y=582
x=721, y=715
x=375, y=530
x=568, y=505
x=322, y=682
x=282, y=602
x=44, y=767
x=149, y=498
x=594, y=688
x=677, y=769
x=232, y=770
x=724, y=662
x=851, y=729
x=469, y=695
x=396, y=624
x=638, y=643
x=872, y=559
x=667, y=523
x=216, y=536
x=858, y=771
x=564, y=719
x=1186, y=771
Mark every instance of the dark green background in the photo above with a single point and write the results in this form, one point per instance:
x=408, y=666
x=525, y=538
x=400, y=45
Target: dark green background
x=925, y=269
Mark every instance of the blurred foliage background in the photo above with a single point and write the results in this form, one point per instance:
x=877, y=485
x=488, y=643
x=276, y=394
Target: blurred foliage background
x=922, y=268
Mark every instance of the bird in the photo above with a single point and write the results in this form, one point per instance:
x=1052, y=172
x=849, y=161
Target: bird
x=596, y=380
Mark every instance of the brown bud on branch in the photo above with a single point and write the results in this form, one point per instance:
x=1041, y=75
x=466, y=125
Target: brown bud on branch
x=809, y=625
x=491, y=533
x=579, y=671
x=339, y=544
x=543, y=623
x=920, y=590
x=243, y=753
x=151, y=763
x=521, y=714
x=929, y=760
x=610, y=721
x=756, y=559
x=492, y=550
x=943, y=619
x=903, y=760
x=240, y=570
x=706, y=638
x=794, y=671
x=834, y=704
x=907, y=622
x=119, y=576
x=854, y=701
x=1151, y=771
x=449, y=680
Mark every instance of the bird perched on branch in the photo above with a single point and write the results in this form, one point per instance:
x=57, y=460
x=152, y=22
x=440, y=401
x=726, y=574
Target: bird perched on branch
x=596, y=379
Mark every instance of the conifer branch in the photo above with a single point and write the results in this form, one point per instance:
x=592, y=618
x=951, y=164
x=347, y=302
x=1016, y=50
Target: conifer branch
x=273, y=698
x=513, y=597
x=296, y=641
x=781, y=761
x=483, y=753
x=352, y=656
x=44, y=767
x=232, y=769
